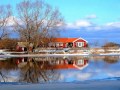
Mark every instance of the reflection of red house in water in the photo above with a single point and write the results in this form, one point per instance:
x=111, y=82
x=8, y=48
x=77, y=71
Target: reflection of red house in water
x=71, y=64
x=59, y=64
x=21, y=46
x=68, y=42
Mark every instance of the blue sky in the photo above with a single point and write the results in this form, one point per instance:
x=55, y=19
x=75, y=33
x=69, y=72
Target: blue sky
x=89, y=19
x=73, y=10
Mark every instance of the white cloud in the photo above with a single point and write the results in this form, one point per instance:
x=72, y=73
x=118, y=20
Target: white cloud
x=88, y=25
x=92, y=16
x=83, y=23
x=70, y=25
x=113, y=24
x=79, y=24
x=10, y=79
x=75, y=76
x=11, y=21
x=83, y=76
x=114, y=74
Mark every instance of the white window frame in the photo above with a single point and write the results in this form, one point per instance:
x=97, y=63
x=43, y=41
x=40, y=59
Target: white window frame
x=66, y=44
x=80, y=62
x=57, y=44
x=80, y=44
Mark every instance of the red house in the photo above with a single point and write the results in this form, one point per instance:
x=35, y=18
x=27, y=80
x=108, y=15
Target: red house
x=73, y=64
x=68, y=42
x=21, y=46
x=57, y=64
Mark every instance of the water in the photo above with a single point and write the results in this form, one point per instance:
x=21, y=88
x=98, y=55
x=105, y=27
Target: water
x=59, y=69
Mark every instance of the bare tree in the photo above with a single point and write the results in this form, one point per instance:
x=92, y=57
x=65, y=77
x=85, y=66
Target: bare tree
x=5, y=12
x=38, y=21
x=2, y=77
x=35, y=72
x=8, y=43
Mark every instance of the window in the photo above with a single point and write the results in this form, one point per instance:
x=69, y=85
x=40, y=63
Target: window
x=80, y=62
x=79, y=44
x=51, y=44
x=61, y=44
x=57, y=44
x=70, y=44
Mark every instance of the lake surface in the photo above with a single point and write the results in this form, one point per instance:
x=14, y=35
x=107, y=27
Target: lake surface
x=59, y=69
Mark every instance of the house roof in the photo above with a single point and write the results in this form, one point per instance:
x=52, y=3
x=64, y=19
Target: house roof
x=63, y=66
x=22, y=44
x=65, y=40
x=70, y=66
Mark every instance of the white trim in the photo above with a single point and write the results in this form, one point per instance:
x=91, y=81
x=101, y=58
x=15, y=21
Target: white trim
x=80, y=68
x=66, y=44
x=80, y=38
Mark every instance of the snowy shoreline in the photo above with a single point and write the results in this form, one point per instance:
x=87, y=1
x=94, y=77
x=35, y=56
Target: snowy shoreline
x=42, y=55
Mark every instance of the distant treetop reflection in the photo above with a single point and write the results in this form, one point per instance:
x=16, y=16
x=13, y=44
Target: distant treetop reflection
x=111, y=59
